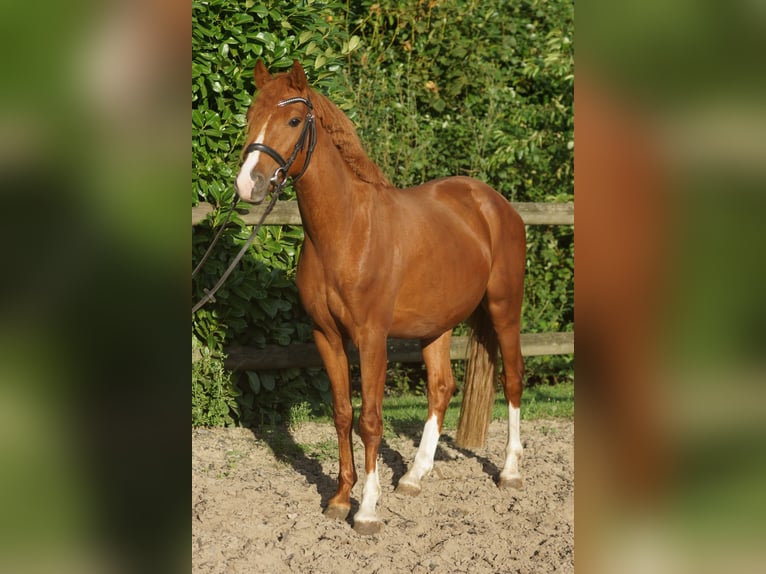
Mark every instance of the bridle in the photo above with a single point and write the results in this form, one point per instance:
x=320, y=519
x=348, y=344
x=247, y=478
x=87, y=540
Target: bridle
x=306, y=140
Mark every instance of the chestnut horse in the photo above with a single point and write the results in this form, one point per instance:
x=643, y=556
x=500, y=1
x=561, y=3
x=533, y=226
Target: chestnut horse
x=378, y=261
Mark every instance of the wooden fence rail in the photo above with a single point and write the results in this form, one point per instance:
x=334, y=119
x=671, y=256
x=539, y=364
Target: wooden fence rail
x=286, y=213
x=305, y=355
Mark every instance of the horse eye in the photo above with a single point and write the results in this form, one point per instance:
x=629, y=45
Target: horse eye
x=294, y=122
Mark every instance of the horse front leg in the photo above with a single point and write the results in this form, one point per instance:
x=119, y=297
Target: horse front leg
x=333, y=352
x=372, y=357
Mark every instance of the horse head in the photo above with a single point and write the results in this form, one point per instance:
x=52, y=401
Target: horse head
x=281, y=133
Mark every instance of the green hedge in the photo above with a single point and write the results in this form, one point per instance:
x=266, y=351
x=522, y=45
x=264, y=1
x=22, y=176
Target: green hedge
x=435, y=88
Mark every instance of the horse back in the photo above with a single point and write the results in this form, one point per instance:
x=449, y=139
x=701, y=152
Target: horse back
x=460, y=213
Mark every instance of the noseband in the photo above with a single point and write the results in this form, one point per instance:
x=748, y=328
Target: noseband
x=307, y=141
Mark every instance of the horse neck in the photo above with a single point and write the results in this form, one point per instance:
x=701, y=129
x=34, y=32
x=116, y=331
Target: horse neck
x=331, y=197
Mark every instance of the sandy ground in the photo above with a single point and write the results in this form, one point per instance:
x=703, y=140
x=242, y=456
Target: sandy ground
x=255, y=512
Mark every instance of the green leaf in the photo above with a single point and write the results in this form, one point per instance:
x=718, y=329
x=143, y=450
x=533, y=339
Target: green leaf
x=264, y=38
x=304, y=36
x=258, y=8
x=243, y=18
x=269, y=306
x=268, y=381
x=254, y=382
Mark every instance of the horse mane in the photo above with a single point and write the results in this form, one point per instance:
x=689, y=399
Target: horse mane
x=343, y=135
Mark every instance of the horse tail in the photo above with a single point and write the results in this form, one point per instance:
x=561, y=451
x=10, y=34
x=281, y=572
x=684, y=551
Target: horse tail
x=479, y=386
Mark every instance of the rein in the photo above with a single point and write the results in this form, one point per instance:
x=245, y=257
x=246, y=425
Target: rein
x=306, y=140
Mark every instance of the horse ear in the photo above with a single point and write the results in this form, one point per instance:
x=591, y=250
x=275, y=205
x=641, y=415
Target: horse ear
x=298, y=76
x=261, y=74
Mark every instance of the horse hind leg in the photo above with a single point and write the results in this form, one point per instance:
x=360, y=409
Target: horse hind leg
x=506, y=319
x=510, y=476
x=441, y=387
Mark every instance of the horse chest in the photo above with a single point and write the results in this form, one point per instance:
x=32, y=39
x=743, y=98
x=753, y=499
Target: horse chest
x=343, y=292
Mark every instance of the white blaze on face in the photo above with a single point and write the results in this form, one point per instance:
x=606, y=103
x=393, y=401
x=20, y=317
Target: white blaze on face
x=244, y=182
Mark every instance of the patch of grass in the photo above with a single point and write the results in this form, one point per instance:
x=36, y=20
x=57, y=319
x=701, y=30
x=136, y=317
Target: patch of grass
x=232, y=460
x=548, y=401
x=538, y=402
x=410, y=411
x=299, y=413
x=321, y=451
x=233, y=457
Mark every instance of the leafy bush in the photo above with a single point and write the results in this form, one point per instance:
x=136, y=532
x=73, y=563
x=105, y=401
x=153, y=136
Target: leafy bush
x=435, y=88
x=468, y=87
x=213, y=397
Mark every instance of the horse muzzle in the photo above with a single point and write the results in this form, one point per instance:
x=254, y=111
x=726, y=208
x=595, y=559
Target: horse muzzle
x=252, y=186
x=260, y=187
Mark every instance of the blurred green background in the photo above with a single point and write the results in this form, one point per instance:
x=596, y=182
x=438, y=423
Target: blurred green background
x=686, y=72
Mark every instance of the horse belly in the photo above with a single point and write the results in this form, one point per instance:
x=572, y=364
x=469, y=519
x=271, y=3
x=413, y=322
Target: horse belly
x=431, y=303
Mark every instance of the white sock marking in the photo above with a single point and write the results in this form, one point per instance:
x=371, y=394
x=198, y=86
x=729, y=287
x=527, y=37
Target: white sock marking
x=424, y=459
x=370, y=496
x=513, y=448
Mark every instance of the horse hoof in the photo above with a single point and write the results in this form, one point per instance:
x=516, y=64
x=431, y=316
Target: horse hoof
x=367, y=528
x=337, y=512
x=408, y=488
x=512, y=482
